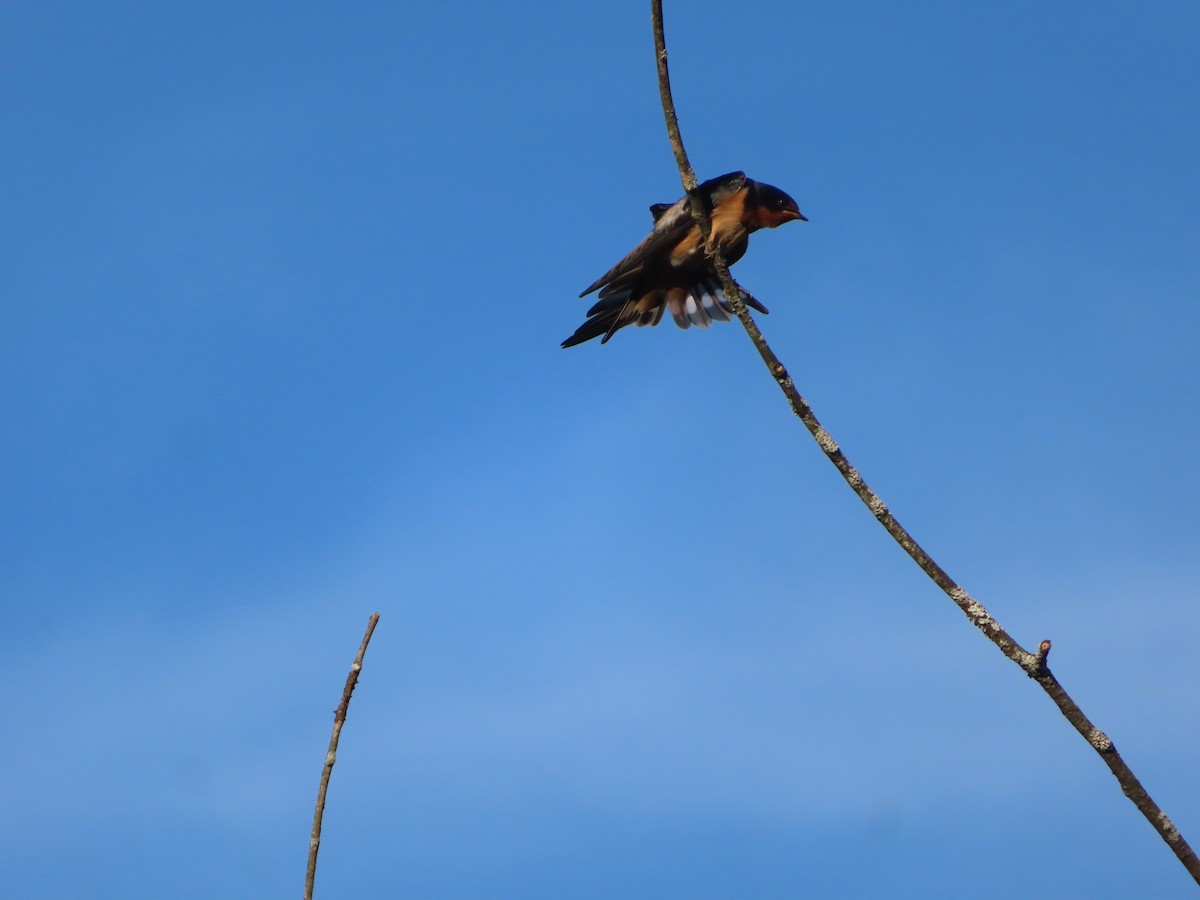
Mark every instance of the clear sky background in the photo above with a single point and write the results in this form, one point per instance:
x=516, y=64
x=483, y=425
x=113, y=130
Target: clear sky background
x=282, y=295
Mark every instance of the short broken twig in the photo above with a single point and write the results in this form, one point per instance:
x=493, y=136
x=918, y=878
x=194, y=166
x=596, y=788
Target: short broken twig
x=339, y=719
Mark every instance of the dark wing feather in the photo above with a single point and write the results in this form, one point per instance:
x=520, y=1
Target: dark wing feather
x=671, y=225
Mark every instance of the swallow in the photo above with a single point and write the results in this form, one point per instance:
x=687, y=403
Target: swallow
x=670, y=268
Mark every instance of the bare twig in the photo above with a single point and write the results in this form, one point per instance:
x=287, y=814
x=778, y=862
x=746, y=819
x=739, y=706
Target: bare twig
x=339, y=719
x=1034, y=665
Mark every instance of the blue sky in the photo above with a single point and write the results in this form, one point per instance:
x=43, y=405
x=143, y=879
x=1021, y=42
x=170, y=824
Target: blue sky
x=283, y=291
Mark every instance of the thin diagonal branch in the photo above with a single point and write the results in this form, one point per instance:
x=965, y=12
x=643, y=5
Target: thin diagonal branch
x=339, y=719
x=1034, y=665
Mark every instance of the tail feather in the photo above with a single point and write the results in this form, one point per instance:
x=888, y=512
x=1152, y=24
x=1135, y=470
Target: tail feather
x=709, y=294
x=705, y=303
x=712, y=289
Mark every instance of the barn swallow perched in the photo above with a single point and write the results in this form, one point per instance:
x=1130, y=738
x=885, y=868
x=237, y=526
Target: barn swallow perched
x=670, y=269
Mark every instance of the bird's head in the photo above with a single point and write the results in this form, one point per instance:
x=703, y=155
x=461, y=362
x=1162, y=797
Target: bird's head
x=772, y=206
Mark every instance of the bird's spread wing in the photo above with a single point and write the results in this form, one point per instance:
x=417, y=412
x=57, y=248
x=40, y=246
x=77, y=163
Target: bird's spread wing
x=671, y=224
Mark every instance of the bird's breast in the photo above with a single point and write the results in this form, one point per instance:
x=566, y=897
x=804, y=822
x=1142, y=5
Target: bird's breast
x=728, y=234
